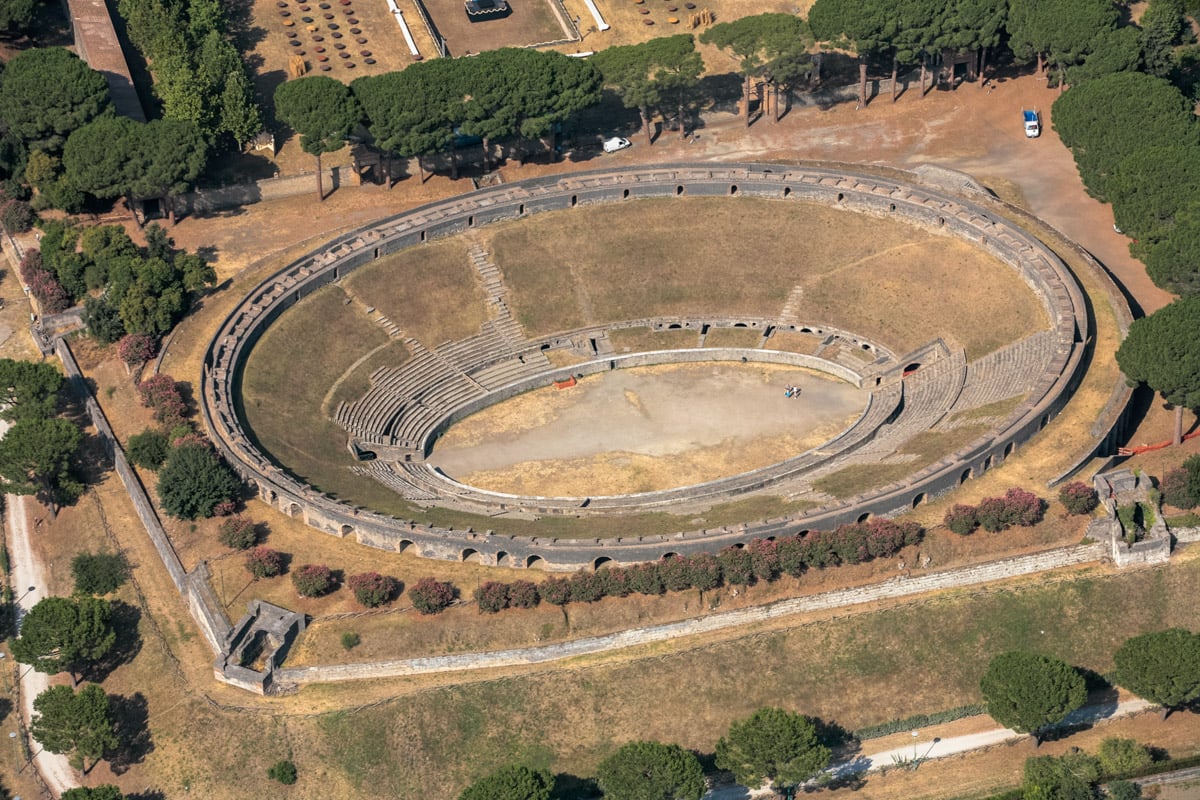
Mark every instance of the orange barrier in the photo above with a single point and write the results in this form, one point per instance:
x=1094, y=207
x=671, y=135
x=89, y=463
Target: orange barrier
x=1150, y=448
x=567, y=384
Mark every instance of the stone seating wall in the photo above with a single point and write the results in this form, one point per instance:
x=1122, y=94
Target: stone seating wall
x=926, y=207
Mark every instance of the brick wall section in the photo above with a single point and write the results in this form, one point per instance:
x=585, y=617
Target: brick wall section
x=920, y=205
x=888, y=590
x=97, y=44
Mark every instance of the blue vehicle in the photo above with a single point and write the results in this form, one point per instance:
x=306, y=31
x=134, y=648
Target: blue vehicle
x=1033, y=126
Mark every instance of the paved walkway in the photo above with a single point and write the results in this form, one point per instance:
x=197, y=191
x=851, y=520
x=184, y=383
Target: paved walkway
x=924, y=749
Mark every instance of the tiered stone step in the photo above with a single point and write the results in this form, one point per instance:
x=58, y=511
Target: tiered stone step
x=400, y=484
x=1007, y=372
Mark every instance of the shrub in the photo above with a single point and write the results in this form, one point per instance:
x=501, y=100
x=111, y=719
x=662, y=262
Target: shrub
x=736, y=567
x=262, y=562
x=431, y=596
x=792, y=556
x=1078, y=498
x=238, y=533
x=992, y=513
x=555, y=591
x=283, y=771
x=1124, y=790
x=1023, y=508
x=17, y=216
x=523, y=594
x=313, y=580
x=1123, y=756
x=492, y=596
x=1176, y=490
x=706, y=572
x=646, y=579
x=819, y=546
x=886, y=538
x=372, y=589
x=676, y=573
x=161, y=394
x=764, y=559
x=1192, y=467
x=148, y=449
x=586, y=587
x=137, y=348
x=616, y=581
x=850, y=543
x=350, y=640
x=225, y=508
x=98, y=573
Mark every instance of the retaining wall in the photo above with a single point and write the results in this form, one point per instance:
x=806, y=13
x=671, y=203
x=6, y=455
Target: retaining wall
x=922, y=206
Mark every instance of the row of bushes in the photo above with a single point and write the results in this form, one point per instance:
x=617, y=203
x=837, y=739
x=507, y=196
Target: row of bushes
x=760, y=560
x=994, y=514
x=45, y=288
x=314, y=580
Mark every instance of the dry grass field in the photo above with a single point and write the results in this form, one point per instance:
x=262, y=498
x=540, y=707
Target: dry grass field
x=877, y=277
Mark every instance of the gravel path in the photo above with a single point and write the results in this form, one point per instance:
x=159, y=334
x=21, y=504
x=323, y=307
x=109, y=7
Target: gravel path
x=29, y=586
x=923, y=749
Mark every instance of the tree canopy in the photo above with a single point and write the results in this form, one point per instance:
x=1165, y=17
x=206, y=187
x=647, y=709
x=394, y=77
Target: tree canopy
x=28, y=389
x=49, y=92
x=1068, y=777
x=512, y=782
x=1060, y=32
x=17, y=15
x=62, y=634
x=77, y=723
x=773, y=47
x=1162, y=667
x=772, y=744
x=36, y=456
x=1162, y=351
x=648, y=76
x=651, y=771
x=320, y=109
x=1028, y=692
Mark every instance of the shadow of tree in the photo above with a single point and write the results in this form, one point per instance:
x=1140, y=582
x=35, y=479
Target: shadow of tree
x=125, y=619
x=132, y=717
x=572, y=787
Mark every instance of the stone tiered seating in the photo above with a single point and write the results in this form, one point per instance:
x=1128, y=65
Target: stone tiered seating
x=929, y=393
x=384, y=473
x=1005, y=373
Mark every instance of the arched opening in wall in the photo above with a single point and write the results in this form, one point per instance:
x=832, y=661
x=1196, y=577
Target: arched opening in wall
x=911, y=368
x=840, y=197
x=544, y=347
x=918, y=500
x=521, y=209
x=739, y=325
x=600, y=562
x=422, y=236
x=404, y=545
x=941, y=221
x=787, y=191
x=534, y=561
x=665, y=556
x=374, y=256
x=347, y=530
x=574, y=200
x=471, y=555
x=679, y=191
x=878, y=380
x=502, y=559
x=1044, y=421
x=674, y=326
x=293, y=510
x=739, y=546
x=1008, y=449
x=471, y=221
x=733, y=190
x=966, y=476
x=806, y=330
x=770, y=538
x=625, y=195
x=864, y=517
x=987, y=463
x=892, y=207
x=865, y=346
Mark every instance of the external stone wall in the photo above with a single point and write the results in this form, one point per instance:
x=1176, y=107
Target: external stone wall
x=921, y=206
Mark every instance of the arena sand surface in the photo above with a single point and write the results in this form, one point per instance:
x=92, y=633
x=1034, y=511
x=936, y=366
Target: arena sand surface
x=647, y=429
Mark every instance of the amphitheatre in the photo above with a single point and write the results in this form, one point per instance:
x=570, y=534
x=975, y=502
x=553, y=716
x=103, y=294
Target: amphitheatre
x=931, y=336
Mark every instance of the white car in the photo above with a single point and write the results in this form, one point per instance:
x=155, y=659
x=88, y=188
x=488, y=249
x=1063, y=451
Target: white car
x=616, y=143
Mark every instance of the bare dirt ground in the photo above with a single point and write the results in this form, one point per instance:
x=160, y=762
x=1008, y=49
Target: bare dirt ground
x=646, y=429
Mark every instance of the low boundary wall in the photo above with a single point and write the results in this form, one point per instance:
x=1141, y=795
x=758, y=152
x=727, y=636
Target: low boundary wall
x=922, y=206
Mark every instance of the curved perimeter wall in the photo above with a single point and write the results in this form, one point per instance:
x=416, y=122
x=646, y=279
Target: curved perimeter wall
x=928, y=208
